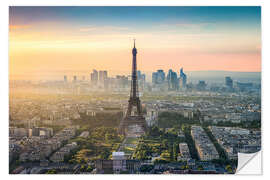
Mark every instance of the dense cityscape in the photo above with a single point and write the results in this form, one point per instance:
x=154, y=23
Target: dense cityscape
x=81, y=103
x=70, y=126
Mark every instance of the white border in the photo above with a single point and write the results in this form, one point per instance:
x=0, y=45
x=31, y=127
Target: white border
x=4, y=72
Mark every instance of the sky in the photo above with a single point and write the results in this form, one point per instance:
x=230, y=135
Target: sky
x=49, y=42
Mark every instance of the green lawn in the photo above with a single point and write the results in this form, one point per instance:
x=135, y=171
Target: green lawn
x=131, y=140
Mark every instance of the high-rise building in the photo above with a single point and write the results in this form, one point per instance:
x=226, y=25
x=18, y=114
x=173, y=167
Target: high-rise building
x=141, y=80
x=121, y=81
x=201, y=86
x=139, y=74
x=143, y=77
x=94, y=77
x=105, y=75
x=183, y=79
x=229, y=82
x=173, y=83
x=244, y=86
x=102, y=76
x=74, y=78
x=161, y=76
x=65, y=78
x=154, y=78
x=158, y=77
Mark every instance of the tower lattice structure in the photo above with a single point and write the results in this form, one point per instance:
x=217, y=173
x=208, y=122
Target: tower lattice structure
x=134, y=100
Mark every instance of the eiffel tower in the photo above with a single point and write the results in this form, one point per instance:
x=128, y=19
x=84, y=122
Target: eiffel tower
x=134, y=101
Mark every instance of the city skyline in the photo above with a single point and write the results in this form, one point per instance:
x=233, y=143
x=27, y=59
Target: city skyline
x=47, y=41
x=102, y=116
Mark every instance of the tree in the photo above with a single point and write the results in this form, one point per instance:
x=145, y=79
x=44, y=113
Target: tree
x=165, y=144
x=171, y=153
x=160, y=161
x=165, y=155
x=89, y=168
x=175, y=151
x=108, y=137
x=51, y=171
x=105, y=154
x=154, y=131
x=229, y=168
x=82, y=167
x=200, y=167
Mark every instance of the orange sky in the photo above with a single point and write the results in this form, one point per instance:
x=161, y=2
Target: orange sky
x=52, y=48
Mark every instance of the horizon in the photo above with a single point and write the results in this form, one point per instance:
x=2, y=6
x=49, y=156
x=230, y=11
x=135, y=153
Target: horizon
x=113, y=74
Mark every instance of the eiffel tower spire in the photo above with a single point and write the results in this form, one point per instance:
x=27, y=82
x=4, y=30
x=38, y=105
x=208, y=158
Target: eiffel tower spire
x=134, y=83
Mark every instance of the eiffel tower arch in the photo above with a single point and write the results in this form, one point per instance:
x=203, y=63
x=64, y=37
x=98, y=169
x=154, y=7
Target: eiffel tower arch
x=134, y=101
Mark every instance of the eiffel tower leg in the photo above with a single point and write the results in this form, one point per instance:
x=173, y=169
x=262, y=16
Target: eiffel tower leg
x=129, y=108
x=138, y=103
x=121, y=129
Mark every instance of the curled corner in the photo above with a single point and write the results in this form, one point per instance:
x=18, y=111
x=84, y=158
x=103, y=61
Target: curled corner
x=249, y=164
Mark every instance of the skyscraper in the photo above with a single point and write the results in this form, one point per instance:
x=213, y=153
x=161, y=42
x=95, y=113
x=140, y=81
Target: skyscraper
x=229, y=82
x=105, y=74
x=141, y=80
x=65, y=78
x=183, y=79
x=121, y=81
x=94, y=77
x=139, y=74
x=161, y=76
x=102, y=76
x=201, y=86
x=244, y=86
x=172, y=80
x=158, y=77
x=154, y=78
x=74, y=78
